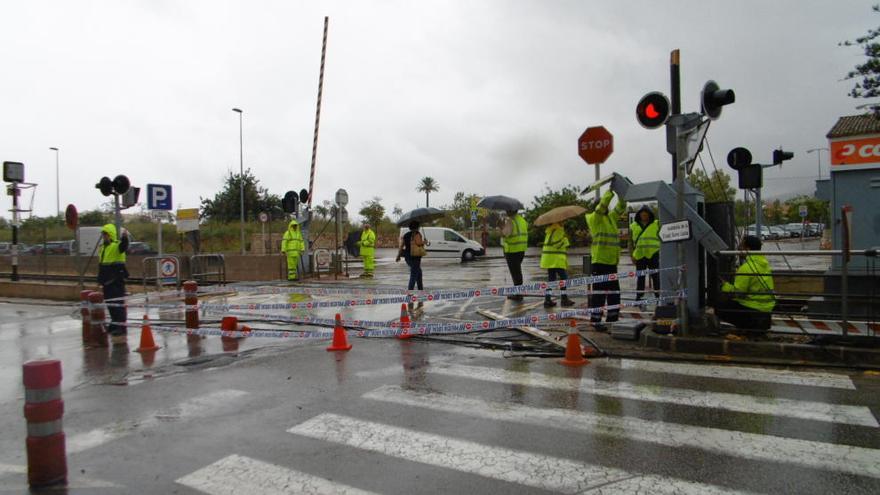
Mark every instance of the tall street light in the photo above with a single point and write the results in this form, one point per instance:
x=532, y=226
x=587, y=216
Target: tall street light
x=57, y=183
x=819, y=158
x=241, y=177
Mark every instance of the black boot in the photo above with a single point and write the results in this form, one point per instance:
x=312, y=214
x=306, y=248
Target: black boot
x=549, y=303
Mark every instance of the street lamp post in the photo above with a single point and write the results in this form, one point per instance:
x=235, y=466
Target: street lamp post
x=57, y=183
x=241, y=176
x=819, y=159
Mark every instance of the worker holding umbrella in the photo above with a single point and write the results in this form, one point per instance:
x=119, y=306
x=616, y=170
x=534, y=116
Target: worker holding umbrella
x=554, y=254
x=515, y=240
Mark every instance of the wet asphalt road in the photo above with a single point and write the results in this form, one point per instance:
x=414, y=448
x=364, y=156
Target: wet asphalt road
x=412, y=416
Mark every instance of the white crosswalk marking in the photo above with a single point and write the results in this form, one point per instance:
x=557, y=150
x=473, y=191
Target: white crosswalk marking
x=752, y=374
x=514, y=466
x=194, y=407
x=818, y=411
x=842, y=458
x=235, y=475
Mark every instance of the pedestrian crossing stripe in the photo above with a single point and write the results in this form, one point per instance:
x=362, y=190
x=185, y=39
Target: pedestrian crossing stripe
x=773, y=406
x=744, y=373
x=498, y=463
x=194, y=407
x=236, y=475
x=833, y=457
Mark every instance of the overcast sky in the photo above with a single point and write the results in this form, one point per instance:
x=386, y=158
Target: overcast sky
x=487, y=97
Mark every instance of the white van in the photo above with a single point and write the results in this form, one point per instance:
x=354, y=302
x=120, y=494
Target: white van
x=441, y=242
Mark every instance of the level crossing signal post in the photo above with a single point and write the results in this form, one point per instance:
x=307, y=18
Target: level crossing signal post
x=684, y=139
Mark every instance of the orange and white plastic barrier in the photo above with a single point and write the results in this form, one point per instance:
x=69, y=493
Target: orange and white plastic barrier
x=43, y=410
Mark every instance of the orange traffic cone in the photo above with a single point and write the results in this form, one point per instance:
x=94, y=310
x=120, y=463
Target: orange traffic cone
x=573, y=353
x=404, y=323
x=340, y=339
x=147, y=342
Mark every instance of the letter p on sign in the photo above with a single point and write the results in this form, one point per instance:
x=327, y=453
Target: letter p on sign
x=158, y=197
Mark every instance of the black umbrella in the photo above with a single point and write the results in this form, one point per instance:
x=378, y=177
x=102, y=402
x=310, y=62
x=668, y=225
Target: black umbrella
x=420, y=215
x=502, y=203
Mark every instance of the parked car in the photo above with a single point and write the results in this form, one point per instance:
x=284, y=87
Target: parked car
x=815, y=229
x=52, y=248
x=441, y=242
x=777, y=232
x=5, y=248
x=765, y=232
x=793, y=229
x=140, y=248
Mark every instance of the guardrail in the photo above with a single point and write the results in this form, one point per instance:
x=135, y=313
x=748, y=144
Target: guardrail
x=843, y=296
x=208, y=268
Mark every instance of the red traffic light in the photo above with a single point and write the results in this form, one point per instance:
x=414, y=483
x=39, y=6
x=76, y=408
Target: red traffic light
x=653, y=110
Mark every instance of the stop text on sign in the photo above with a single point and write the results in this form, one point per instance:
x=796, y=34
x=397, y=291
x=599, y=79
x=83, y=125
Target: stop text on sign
x=595, y=145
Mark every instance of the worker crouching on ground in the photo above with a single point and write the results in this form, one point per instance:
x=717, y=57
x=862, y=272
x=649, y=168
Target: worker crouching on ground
x=367, y=245
x=645, y=249
x=605, y=254
x=514, y=242
x=554, y=258
x=111, y=277
x=752, y=291
x=292, y=245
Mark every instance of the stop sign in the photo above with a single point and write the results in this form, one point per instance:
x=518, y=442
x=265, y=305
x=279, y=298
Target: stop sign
x=595, y=145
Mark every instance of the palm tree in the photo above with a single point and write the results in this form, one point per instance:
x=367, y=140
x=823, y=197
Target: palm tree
x=428, y=185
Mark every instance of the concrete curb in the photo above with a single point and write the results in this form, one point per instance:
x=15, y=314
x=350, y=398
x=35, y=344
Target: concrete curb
x=832, y=354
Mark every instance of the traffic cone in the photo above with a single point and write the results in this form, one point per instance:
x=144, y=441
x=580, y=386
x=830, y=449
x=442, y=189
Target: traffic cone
x=147, y=342
x=340, y=339
x=573, y=353
x=404, y=323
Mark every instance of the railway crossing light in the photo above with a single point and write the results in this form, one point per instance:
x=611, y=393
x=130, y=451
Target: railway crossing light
x=119, y=185
x=713, y=98
x=652, y=110
x=289, y=202
x=780, y=156
x=750, y=175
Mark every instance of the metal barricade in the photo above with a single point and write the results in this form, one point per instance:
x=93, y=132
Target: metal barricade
x=161, y=271
x=821, y=300
x=208, y=268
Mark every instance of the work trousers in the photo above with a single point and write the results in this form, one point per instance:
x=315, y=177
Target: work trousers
x=554, y=274
x=514, y=264
x=742, y=317
x=118, y=314
x=415, y=272
x=597, y=299
x=651, y=263
x=369, y=263
x=292, y=264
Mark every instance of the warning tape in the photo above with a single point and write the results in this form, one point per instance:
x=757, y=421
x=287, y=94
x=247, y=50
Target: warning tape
x=450, y=327
x=404, y=296
x=382, y=327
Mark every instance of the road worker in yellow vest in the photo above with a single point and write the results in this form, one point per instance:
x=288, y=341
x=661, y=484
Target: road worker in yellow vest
x=367, y=245
x=644, y=245
x=752, y=298
x=605, y=254
x=554, y=259
x=111, y=277
x=514, y=242
x=292, y=245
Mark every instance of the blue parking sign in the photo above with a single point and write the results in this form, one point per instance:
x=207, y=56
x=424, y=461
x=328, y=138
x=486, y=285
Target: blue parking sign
x=158, y=197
